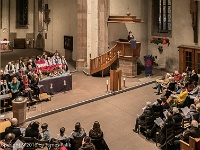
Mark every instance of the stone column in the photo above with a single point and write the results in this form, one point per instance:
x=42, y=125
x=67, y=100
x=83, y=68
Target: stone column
x=81, y=35
x=103, y=28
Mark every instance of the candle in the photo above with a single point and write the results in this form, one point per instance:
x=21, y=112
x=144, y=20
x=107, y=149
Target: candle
x=107, y=82
x=51, y=86
x=64, y=82
x=124, y=79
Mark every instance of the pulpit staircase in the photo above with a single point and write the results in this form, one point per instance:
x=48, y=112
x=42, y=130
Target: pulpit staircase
x=104, y=61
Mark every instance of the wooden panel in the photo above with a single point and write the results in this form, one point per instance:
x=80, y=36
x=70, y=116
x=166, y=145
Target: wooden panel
x=19, y=43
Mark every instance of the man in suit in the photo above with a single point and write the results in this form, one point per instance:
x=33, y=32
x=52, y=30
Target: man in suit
x=2, y=76
x=148, y=111
x=14, y=128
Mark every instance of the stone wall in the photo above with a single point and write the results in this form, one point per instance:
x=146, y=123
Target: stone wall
x=128, y=67
x=182, y=34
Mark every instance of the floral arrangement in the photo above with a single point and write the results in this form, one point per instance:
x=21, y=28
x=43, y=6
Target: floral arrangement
x=158, y=40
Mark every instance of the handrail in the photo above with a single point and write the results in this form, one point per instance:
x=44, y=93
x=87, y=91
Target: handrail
x=103, y=61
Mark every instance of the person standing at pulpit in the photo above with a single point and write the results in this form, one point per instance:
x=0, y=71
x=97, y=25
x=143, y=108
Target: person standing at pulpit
x=130, y=36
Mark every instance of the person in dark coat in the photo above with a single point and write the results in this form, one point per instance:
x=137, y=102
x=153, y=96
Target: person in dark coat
x=13, y=128
x=169, y=123
x=87, y=144
x=96, y=134
x=194, y=76
x=33, y=130
x=148, y=111
x=193, y=132
x=77, y=136
x=176, y=115
x=34, y=85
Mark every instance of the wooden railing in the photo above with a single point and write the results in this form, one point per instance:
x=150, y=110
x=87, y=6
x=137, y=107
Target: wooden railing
x=103, y=61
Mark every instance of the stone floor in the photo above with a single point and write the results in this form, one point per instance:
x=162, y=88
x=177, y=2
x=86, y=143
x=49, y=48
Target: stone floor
x=116, y=114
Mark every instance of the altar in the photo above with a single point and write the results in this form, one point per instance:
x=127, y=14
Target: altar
x=58, y=84
x=4, y=45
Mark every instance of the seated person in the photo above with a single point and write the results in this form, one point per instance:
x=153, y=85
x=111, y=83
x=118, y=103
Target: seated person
x=195, y=89
x=193, y=132
x=62, y=135
x=7, y=143
x=180, y=98
x=33, y=130
x=130, y=36
x=25, y=87
x=96, y=135
x=87, y=144
x=20, y=73
x=19, y=65
x=168, y=123
x=194, y=76
x=176, y=115
x=140, y=120
x=45, y=132
x=9, y=67
x=34, y=85
x=193, y=113
x=32, y=63
x=177, y=76
x=171, y=86
x=64, y=64
x=159, y=82
x=77, y=136
x=189, y=85
x=14, y=128
x=4, y=87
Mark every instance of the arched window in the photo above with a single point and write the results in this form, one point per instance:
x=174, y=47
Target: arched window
x=162, y=17
x=22, y=14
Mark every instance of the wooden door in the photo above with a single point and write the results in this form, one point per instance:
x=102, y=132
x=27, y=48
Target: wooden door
x=188, y=59
x=197, y=61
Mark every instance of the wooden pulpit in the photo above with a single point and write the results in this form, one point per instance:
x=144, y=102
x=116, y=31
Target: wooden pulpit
x=115, y=79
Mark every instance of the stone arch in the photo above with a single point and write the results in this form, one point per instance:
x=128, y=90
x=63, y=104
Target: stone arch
x=40, y=42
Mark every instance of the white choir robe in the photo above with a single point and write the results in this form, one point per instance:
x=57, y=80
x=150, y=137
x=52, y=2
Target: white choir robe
x=6, y=71
x=48, y=63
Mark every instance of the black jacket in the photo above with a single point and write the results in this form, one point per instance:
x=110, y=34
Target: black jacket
x=194, y=77
x=87, y=146
x=177, y=118
x=14, y=130
x=31, y=133
x=147, y=113
x=193, y=132
x=76, y=139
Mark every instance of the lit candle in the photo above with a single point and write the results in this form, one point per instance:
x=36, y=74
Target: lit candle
x=107, y=82
x=124, y=79
x=51, y=87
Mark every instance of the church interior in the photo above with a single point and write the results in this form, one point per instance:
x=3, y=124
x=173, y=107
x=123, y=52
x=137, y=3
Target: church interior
x=73, y=63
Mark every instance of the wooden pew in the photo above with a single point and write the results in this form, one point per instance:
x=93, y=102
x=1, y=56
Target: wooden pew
x=3, y=125
x=194, y=144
